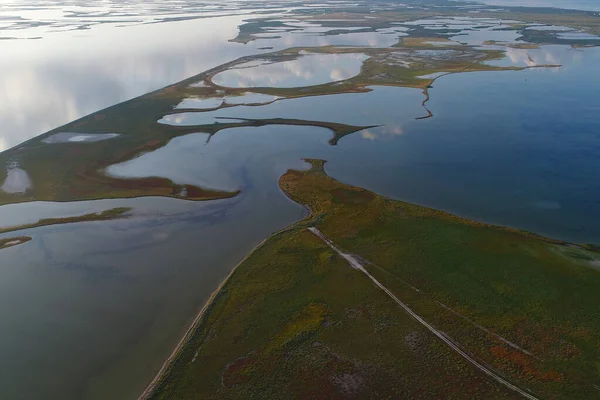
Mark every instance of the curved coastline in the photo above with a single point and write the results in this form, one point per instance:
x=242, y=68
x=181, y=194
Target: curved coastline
x=313, y=218
x=150, y=390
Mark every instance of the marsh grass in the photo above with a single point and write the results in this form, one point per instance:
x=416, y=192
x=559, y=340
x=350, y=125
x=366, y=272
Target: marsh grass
x=295, y=321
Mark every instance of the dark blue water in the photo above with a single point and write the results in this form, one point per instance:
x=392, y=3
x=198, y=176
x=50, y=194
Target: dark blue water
x=101, y=305
x=515, y=148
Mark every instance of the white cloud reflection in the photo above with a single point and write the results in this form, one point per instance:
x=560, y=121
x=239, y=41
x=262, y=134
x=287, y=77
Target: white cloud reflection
x=95, y=54
x=382, y=132
x=47, y=83
x=311, y=69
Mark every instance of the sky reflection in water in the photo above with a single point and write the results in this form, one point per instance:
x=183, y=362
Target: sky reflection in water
x=88, y=57
x=308, y=70
x=588, y=5
x=102, y=286
x=49, y=82
x=461, y=145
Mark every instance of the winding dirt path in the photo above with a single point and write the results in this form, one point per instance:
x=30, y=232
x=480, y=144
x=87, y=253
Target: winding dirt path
x=354, y=263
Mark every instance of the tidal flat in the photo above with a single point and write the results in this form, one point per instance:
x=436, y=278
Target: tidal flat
x=103, y=302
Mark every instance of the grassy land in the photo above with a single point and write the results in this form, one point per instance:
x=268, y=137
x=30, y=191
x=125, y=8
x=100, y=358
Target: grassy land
x=114, y=213
x=75, y=171
x=339, y=130
x=13, y=241
x=295, y=321
x=586, y=21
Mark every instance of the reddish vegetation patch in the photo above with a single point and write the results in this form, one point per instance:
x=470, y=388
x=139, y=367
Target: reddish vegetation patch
x=92, y=182
x=99, y=117
x=195, y=192
x=524, y=364
x=352, y=196
x=317, y=384
x=238, y=371
x=317, y=387
x=152, y=143
x=548, y=342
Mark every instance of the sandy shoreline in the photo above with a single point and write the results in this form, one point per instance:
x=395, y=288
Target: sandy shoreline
x=149, y=391
x=162, y=373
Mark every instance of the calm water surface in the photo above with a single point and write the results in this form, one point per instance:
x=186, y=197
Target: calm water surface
x=588, y=5
x=65, y=75
x=515, y=148
x=61, y=60
x=307, y=70
x=101, y=305
x=91, y=310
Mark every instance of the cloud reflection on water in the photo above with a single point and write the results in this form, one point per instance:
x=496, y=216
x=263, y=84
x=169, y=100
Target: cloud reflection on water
x=312, y=69
x=50, y=82
x=91, y=55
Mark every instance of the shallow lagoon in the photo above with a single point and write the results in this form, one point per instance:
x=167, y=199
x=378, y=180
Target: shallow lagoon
x=307, y=70
x=373, y=108
x=486, y=155
x=101, y=304
x=226, y=161
x=63, y=62
x=591, y=5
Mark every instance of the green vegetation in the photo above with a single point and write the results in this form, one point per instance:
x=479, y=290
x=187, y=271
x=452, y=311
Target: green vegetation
x=75, y=171
x=339, y=130
x=295, y=321
x=114, y=213
x=249, y=29
x=13, y=241
x=582, y=20
x=585, y=21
